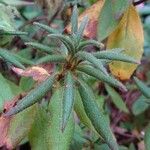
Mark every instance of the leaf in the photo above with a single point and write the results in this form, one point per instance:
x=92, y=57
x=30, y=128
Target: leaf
x=14, y=88
x=7, y=56
x=7, y=23
x=41, y=47
x=23, y=60
x=97, y=118
x=37, y=73
x=132, y=147
x=82, y=27
x=20, y=126
x=147, y=138
x=5, y=92
x=7, y=18
x=26, y=83
x=84, y=44
x=92, y=13
x=46, y=27
x=49, y=5
x=129, y=36
x=33, y=96
x=46, y=133
x=51, y=58
x=17, y=3
x=93, y=60
x=78, y=139
x=110, y=16
x=112, y=55
x=65, y=40
x=79, y=109
x=68, y=99
x=101, y=76
x=74, y=20
x=140, y=105
x=4, y=122
x=101, y=147
x=117, y=99
x=14, y=129
x=143, y=88
x=13, y=33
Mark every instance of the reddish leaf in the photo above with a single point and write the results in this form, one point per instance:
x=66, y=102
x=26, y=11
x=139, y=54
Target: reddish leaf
x=39, y=74
x=93, y=14
x=15, y=128
x=4, y=125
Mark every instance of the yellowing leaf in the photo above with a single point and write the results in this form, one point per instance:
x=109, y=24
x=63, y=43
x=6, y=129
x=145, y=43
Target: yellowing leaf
x=93, y=14
x=110, y=16
x=128, y=35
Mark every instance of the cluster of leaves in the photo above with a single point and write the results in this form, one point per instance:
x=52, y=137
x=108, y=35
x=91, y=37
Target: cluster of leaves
x=51, y=124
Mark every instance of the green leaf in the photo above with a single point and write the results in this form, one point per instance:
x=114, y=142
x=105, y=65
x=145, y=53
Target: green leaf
x=33, y=96
x=51, y=58
x=110, y=16
x=78, y=139
x=79, y=109
x=86, y=43
x=117, y=99
x=65, y=40
x=74, y=20
x=7, y=23
x=132, y=147
x=7, y=18
x=97, y=118
x=5, y=92
x=112, y=55
x=20, y=126
x=101, y=76
x=21, y=123
x=46, y=27
x=13, y=33
x=68, y=99
x=23, y=60
x=143, y=88
x=95, y=62
x=41, y=47
x=14, y=88
x=83, y=24
x=7, y=56
x=101, y=147
x=26, y=83
x=140, y=105
x=147, y=138
x=46, y=133
x=16, y=2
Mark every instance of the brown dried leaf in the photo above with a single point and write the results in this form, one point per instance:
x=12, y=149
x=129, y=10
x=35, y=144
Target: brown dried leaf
x=93, y=14
x=37, y=73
